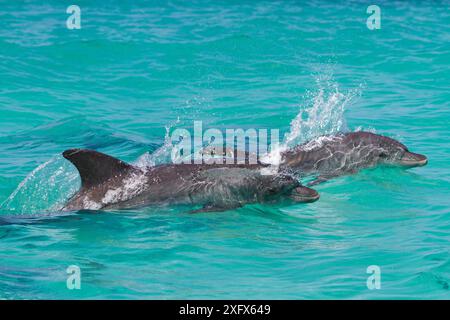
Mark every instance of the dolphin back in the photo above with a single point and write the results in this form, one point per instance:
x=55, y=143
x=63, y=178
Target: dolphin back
x=96, y=167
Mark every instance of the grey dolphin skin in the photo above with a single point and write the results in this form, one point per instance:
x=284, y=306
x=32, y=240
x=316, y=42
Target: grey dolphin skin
x=108, y=183
x=346, y=153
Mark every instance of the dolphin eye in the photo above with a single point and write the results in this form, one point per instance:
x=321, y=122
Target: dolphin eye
x=383, y=155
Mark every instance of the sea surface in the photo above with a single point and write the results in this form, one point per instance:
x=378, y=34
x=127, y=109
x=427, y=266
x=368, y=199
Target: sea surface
x=137, y=70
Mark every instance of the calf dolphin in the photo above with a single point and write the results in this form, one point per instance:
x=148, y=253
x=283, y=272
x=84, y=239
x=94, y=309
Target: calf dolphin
x=346, y=153
x=108, y=183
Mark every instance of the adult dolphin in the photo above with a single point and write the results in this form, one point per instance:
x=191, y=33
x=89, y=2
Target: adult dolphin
x=345, y=153
x=108, y=183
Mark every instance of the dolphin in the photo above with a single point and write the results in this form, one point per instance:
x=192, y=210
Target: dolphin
x=331, y=156
x=109, y=183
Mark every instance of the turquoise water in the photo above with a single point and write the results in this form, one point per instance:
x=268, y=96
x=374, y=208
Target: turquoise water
x=135, y=70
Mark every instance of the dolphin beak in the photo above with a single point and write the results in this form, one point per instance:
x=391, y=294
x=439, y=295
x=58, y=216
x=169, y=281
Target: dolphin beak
x=411, y=159
x=305, y=194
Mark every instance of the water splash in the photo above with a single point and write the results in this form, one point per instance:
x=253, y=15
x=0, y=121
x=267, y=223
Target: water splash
x=45, y=189
x=186, y=113
x=160, y=155
x=321, y=114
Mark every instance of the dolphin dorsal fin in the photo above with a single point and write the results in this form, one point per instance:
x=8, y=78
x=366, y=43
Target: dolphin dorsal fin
x=96, y=167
